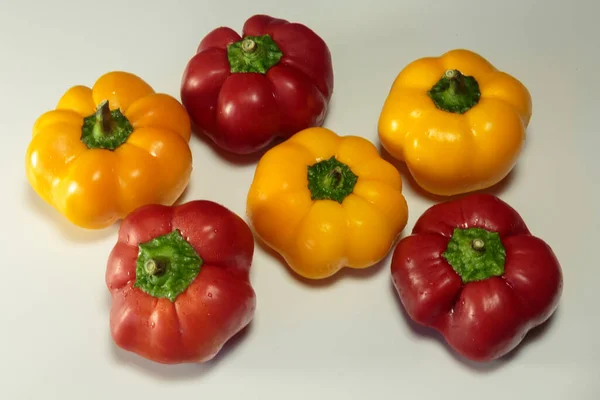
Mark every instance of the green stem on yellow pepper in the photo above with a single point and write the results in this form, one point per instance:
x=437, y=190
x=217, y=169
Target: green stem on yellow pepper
x=105, y=129
x=330, y=180
x=455, y=92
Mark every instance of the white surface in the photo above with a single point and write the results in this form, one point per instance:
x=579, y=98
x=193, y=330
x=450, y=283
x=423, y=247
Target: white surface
x=346, y=340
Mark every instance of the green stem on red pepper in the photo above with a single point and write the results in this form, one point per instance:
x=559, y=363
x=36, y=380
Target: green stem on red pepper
x=455, y=92
x=105, y=129
x=253, y=54
x=330, y=180
x=475, y=254
x=166, y=266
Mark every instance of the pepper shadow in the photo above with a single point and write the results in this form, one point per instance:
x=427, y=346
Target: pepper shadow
x=427, y=333
x=181, y=372
x=239, y=160
x=408, y=179
x=344, y=273
x=68, y=230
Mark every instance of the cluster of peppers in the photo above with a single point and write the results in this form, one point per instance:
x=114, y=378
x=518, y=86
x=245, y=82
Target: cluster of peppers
x=179, y=274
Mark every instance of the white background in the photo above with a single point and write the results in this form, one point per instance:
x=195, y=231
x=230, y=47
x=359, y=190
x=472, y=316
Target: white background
x=347, y=339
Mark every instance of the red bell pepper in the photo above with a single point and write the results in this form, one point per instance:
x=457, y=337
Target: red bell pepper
x=272, y=81
x=472, y=270
x=179, y=280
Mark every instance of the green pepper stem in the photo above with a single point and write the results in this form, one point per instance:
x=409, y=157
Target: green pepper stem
x=105, y=129
x=475, y=254
x=155, y=267
x=457, y=81
x=104, y=118
x=166, y=266
x=478, y=245
x=452, y=73
x=455, y=92
x=330, y=180
x=248, y=45
x=336, y=176
x=255, y=54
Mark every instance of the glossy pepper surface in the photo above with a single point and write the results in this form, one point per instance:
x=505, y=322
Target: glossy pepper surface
x=108, y=149
x=472, y=270
x=323, y=202
x=243, y=91
x=179, y=279
x=456, y=121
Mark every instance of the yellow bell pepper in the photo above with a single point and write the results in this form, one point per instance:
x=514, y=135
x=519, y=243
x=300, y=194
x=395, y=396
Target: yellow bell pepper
x=456, y=121
x=106, y=150
x=324, y=202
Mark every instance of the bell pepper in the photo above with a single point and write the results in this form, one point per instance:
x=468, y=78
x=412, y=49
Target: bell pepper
x=324, y=202
x=271, y=82
x=179, y=281
x=456, y=121
x=472, y=270
x=106, y=150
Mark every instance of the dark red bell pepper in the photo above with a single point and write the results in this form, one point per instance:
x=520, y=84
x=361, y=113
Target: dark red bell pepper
x=179, y=279
x=472, y=270
x=272, y=81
